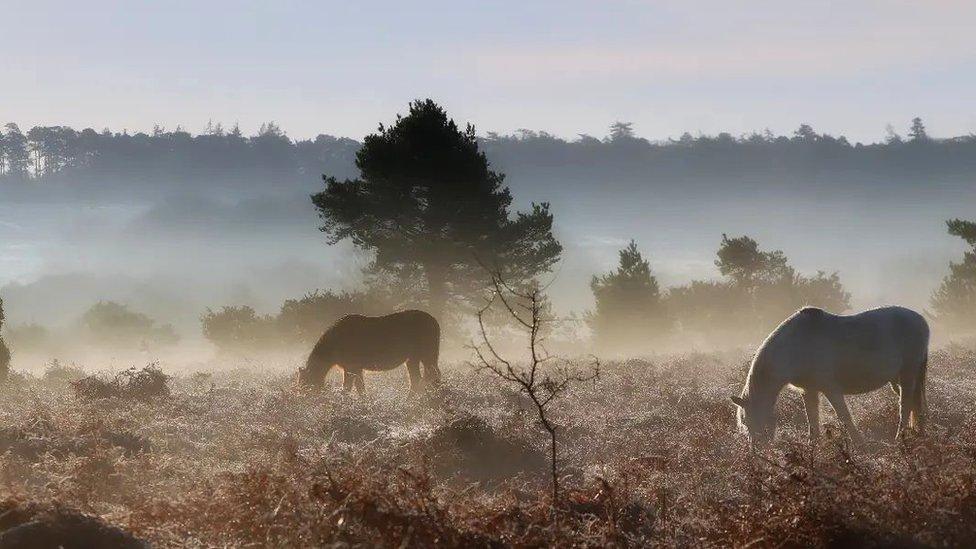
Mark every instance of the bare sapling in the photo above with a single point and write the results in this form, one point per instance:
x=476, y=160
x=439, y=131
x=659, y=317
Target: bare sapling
x=542, y=377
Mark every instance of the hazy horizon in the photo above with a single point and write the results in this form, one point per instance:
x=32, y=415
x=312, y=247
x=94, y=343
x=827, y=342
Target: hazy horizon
x=173, y=247
x=703, y=67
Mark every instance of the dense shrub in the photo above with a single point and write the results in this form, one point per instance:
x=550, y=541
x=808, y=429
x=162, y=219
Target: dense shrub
x=759, y=290
x=299, y=322
x=144, y=384
x=57, y=372
x=304, y=320
x=954, y=301
x=115, y=325
x=238, y=328
x=28, y=337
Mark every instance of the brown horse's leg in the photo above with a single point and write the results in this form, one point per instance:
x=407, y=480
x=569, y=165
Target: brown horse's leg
x=347, y=380
x=836, y=400
x=360, y=387
x=905, y=405
x=413, y=369
x=432, y=373
x=811, y=399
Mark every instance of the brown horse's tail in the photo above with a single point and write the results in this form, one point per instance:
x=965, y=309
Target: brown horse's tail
x=431, y=368
x=921, y=402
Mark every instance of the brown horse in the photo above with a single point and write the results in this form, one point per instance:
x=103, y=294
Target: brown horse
x=356, y=343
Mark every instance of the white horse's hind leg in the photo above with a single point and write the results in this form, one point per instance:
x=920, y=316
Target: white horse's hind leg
x=812, y=401
x=836, y=400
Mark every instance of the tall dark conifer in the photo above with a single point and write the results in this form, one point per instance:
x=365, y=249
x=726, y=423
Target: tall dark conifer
x=431, y=210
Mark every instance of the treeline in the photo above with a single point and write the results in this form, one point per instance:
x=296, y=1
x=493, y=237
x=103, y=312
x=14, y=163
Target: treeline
x=221, y=156
x=60, y=153
x=804, y=155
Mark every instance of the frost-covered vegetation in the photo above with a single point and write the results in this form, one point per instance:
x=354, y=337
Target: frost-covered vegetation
x=649, y=457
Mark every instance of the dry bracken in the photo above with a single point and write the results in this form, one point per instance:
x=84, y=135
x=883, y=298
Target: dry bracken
x=649, y=455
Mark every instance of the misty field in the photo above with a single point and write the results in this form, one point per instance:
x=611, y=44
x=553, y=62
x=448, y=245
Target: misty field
x=649, y=456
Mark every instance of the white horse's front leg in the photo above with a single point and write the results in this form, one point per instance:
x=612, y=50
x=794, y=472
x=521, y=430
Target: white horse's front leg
x=836, y=400
x=811, y=399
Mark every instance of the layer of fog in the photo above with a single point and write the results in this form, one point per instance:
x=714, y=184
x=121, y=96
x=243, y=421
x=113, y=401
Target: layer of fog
x=172, y=256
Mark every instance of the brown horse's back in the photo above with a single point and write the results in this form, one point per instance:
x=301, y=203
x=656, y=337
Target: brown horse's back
x=357, y=342
x=384, y=342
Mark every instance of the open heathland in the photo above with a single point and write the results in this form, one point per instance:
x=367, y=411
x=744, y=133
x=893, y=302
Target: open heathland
x=649, y=455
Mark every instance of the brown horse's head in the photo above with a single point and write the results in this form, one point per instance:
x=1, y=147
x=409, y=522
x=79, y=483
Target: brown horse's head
x=307, y=379
x=312, y=375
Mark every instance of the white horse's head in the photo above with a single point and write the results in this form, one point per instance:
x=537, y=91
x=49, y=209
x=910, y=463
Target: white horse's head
x=756, y=419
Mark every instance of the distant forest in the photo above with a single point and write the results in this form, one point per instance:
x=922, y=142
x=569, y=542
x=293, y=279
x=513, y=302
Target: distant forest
x=166, y=158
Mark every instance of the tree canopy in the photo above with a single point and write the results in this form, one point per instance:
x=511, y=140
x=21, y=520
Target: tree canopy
x=741, y=260
x=432, y=211
x=759, y=290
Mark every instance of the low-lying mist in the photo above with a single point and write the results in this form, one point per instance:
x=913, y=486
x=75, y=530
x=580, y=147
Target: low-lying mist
x=172, y=249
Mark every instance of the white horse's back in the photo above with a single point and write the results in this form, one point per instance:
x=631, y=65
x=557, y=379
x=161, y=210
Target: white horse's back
x=814, y=349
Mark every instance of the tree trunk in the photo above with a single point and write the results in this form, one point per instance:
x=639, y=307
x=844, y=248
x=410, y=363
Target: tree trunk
x=436, y=291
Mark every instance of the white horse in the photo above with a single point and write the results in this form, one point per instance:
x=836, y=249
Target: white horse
x=818, y=352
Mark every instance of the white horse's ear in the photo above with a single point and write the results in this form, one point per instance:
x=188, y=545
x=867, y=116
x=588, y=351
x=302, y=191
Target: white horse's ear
x=739, y=401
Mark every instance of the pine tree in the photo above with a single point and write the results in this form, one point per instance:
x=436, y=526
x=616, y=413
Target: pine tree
x=917, y=131
x=433, y=213
x=629, y=313
x=955, y=299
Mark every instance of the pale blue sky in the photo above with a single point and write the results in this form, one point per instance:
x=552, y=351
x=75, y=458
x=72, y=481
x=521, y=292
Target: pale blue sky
x=567, y=67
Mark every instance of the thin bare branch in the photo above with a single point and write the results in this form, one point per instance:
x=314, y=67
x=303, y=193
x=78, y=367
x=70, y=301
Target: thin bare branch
x=539, y=380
